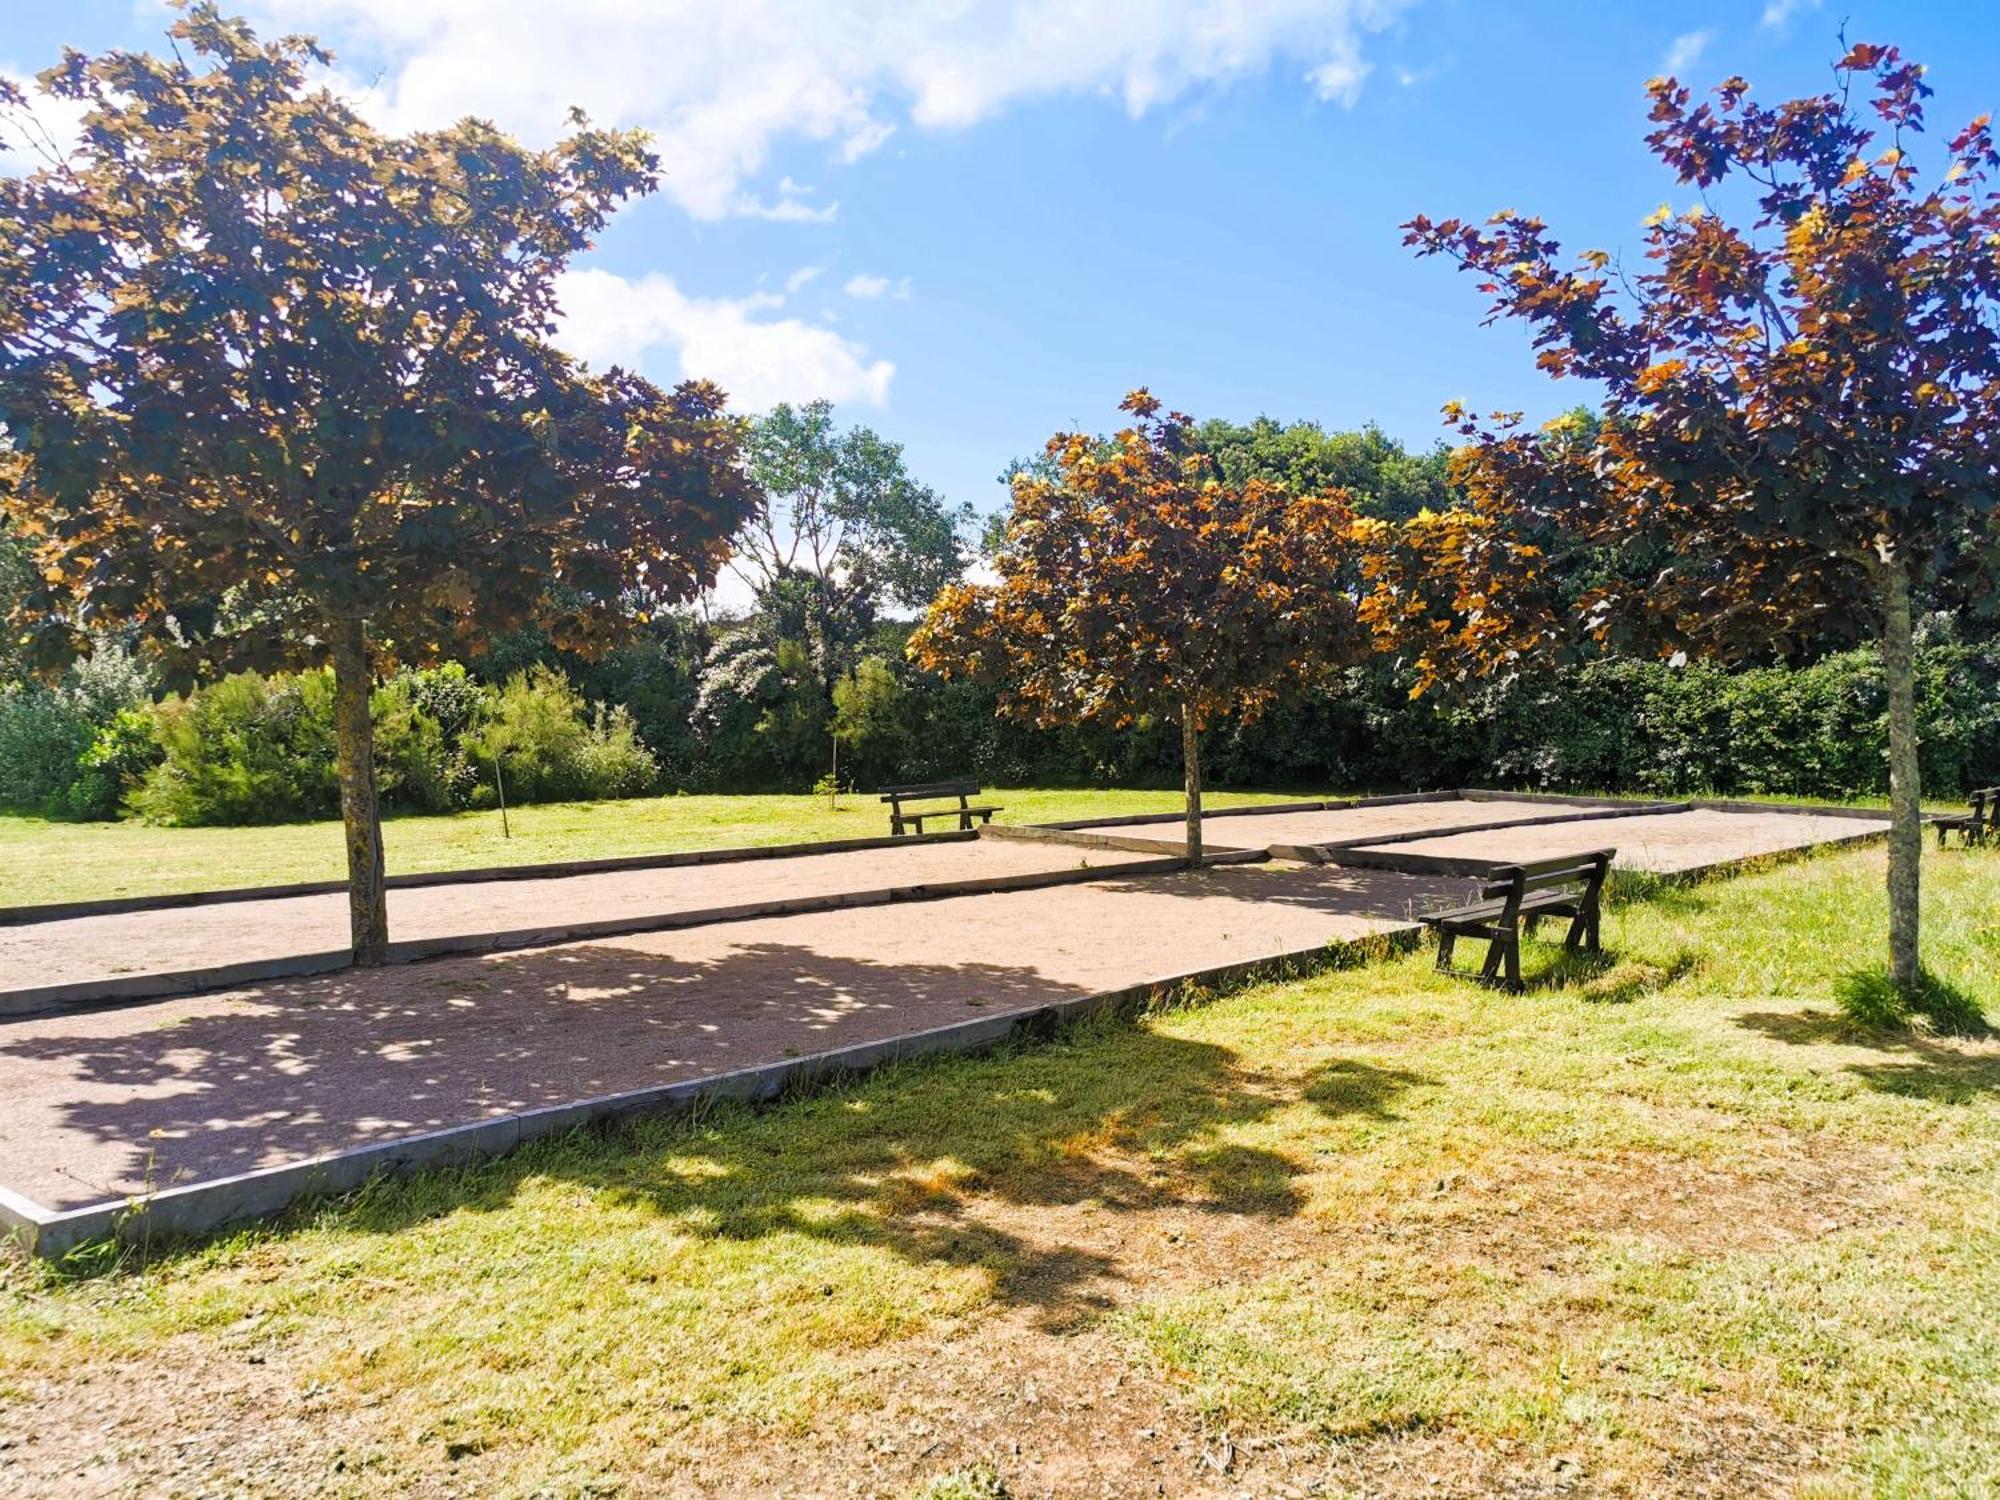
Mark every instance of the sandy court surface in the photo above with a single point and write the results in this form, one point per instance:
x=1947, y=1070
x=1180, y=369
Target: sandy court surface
x=225, y=1083
x=193, y=937
x=1261, y=830
x=1665, y=843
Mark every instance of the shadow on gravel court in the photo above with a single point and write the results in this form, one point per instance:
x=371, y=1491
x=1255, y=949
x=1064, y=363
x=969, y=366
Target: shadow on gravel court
x=284, y=1071
x=953, y=1162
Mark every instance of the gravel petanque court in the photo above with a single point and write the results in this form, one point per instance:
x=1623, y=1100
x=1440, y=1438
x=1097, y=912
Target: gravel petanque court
x=103, y=1103
x=179, y=939
x=177, y=1093
x=1259, y=830
x=1675, y=843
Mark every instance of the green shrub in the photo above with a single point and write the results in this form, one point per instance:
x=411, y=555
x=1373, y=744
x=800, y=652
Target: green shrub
x=118, y=759
x=245, y=749
x=63, y=749
x=550, y=748
x=609, y=761
x=423, y=720
x=43, y=734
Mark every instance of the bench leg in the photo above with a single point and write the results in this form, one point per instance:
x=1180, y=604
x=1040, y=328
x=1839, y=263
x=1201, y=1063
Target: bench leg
x=1496, y=949
x=1583, y=931
x=1446, y=942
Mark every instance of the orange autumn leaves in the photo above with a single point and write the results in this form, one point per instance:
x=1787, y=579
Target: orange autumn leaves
x=1137, y=583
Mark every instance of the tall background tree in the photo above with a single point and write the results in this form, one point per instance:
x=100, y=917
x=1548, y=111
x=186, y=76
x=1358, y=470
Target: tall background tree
x=281, y=392
x=1802, y=415
x=1137, y=583
x=842, y=509
x=847, y=538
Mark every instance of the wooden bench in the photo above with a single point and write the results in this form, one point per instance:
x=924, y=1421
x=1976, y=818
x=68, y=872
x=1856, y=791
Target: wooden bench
x=1973, y=826
x=902, y=820
x=1520, y=895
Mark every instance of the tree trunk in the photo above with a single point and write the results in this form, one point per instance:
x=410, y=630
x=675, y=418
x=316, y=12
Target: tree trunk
x=1191, y=764
x=361, y=818
x=1906, y=833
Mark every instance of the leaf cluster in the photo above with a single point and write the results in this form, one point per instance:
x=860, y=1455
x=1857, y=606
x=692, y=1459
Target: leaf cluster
x=1137, y=581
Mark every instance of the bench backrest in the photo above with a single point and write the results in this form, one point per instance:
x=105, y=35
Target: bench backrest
x=930, y=791
x=1584, y=871
x=1985, y=800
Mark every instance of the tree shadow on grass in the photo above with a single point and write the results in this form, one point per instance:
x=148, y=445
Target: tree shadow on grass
x=1914, y=1066
x=1345, y=1087
x=953, y=1161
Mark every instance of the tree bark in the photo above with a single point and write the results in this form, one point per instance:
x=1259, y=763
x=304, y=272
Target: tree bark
x=1191, y=765
x=360, y=816
x=1906, y=833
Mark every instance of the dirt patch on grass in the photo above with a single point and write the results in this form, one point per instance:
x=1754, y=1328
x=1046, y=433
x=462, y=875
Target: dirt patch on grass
x=191, y=1418
x=1042, y=1387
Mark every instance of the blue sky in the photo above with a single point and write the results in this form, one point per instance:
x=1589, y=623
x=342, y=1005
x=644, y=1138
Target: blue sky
x=973, y=224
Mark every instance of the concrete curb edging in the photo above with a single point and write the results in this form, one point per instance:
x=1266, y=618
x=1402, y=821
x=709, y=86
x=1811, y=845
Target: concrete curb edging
x=43, y=999
x=1032, y=833
x=61, y=911
x=200, y=1207
x=1335, y=804
x=1708, y=804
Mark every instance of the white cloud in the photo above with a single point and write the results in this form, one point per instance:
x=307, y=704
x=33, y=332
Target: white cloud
x=1685, y=52
x=49, y=128
x=784, y=211
x=724, y=85
x=1778, y=12
x=868, y=288
x=801, y=277
x=758, y=359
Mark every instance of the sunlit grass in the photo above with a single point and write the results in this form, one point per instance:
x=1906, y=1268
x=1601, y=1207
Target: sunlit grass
x=43, y=861
x=1670, y=1215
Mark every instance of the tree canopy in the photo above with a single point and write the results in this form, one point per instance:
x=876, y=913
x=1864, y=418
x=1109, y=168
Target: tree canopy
x=1384, y=477
x=280, y=387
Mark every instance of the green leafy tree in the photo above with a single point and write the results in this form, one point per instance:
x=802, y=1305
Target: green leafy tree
x=1382, y=475
x=842, y=509
x=1802, y=408
x=281, y=390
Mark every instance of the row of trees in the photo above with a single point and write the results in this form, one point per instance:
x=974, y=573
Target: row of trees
x=279, y=389
x=1799, y=440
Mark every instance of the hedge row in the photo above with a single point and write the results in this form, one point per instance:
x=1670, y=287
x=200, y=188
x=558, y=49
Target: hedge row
x=254, y=749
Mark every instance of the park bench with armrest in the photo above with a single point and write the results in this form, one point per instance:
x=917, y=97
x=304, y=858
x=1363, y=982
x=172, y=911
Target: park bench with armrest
x=1973, y=826
x=902, y=820
x=1517, y=896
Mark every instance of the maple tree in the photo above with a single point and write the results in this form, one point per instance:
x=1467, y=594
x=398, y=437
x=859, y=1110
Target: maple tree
x=279, y=390
x=1136, y=583
x=1801, y=419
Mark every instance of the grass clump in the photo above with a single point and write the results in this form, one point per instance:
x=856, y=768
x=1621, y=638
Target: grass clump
x=1873, y=1000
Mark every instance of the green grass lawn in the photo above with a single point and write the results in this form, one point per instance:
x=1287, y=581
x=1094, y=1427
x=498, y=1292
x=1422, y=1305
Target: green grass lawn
x=42, y=861
x=1669, y=1228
